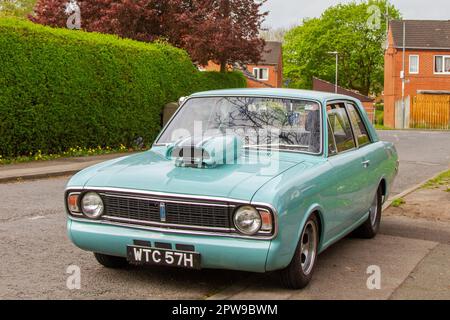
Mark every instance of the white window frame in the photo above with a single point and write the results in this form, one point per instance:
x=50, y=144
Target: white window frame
x=418, y=63
x=444, y=57
x=257, y=71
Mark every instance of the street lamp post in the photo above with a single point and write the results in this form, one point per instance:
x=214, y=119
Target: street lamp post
x=402, y=76
x=337, y=64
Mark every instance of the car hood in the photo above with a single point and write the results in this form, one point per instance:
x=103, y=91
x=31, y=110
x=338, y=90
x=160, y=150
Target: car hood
x=152, y=171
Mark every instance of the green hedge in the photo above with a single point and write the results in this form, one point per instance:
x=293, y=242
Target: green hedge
x=61, y=88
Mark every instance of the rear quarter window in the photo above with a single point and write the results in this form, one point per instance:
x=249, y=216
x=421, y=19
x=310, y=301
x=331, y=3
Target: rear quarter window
x=340, y=127
x=359, y=128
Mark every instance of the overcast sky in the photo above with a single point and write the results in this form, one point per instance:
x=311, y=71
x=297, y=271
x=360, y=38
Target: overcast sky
x=285, y=13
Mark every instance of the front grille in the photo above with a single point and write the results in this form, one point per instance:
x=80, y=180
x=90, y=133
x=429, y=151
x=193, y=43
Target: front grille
x=147, y=211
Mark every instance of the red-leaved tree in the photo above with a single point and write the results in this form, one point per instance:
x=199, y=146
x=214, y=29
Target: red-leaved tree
x=224, y=31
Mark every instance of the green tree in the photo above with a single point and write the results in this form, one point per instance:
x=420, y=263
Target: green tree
x=16, y=8
x=356, y=30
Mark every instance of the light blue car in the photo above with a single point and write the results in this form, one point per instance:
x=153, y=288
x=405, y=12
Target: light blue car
x=249, y=179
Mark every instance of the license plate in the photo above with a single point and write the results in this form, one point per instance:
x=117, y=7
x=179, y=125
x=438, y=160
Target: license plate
x=154, y=256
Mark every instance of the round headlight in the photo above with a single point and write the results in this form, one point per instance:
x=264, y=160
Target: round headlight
x=92, y=205
x=247, y=220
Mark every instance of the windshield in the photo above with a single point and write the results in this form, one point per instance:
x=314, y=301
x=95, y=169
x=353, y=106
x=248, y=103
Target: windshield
x=266, y=123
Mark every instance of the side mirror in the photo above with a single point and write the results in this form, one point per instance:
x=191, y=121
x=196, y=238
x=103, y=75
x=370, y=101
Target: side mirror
x=181, y=100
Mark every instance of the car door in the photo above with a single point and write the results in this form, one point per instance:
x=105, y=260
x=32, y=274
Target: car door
x=369, y=151
x=348, y=174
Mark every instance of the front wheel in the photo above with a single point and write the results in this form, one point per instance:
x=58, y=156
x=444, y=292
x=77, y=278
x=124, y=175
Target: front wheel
x=370, y=227
x=299, y=272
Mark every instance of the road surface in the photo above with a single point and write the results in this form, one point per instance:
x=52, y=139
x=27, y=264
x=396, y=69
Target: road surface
x=423, y=154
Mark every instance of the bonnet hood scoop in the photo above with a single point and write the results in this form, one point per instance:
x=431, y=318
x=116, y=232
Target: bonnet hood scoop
x=205, y=152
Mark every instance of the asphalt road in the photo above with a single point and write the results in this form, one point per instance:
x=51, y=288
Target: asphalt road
x=422, y=154
x=36, y=251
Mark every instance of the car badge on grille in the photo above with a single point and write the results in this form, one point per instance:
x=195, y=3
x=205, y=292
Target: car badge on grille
x=162, y=212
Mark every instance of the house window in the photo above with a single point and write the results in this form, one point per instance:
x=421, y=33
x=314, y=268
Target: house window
x=413, y=64
x=261, y=73
x=442, y=64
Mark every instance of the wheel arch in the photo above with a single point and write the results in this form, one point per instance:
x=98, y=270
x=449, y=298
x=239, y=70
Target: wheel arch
x=384, y=188
x=316, y=210
x=283, y=248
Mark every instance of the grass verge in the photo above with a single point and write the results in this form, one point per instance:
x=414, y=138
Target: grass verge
x=442, y=180
x=398, y=202
x=382, y=127
x=72, y=152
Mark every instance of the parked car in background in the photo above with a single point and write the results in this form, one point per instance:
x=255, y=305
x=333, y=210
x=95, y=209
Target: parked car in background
x=252, y=179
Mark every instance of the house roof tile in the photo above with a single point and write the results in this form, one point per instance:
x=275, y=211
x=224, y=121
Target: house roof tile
x=422, y=34
x=272, y=52
x=325, y=86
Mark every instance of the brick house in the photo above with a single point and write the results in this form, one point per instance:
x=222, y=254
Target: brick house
x=427, y=61
x=267, y=73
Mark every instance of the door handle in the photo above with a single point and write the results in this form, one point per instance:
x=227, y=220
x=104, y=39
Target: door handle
x=366, y=163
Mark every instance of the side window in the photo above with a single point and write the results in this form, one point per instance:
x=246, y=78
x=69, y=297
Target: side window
x=331, y=143
x=359, y=128
x=340, y=126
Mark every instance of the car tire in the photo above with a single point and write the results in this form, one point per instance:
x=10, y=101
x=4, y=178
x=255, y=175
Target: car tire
x=299, y=272
x=370, y=227
x=111, y=262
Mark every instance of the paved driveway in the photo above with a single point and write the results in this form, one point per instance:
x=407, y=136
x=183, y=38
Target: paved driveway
x=422, y=154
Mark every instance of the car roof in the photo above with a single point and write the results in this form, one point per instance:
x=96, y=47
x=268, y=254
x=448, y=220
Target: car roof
x=275, y=92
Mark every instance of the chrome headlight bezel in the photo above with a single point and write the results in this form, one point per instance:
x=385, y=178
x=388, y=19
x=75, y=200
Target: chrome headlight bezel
x=247, y=220
x=92, y=205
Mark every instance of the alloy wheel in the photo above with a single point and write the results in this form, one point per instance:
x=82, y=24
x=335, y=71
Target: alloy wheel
x=373, y=211
x=308, y=247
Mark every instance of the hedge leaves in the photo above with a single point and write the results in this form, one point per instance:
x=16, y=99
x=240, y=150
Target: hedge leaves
x=61, y=88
